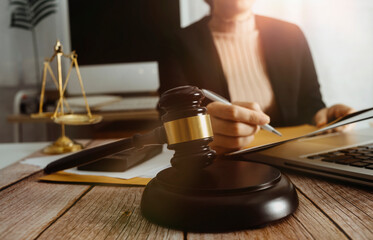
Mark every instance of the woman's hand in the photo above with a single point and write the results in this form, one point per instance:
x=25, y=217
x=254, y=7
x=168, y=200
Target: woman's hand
x=234, y=126
x=326, y=115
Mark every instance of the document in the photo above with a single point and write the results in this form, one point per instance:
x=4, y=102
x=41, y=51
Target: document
x=137, y=175
x=264, y=140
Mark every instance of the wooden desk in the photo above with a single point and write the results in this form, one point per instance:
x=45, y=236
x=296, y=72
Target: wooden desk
x=31, y=209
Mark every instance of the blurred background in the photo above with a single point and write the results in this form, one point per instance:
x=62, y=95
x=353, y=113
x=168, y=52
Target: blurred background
x=339, y=32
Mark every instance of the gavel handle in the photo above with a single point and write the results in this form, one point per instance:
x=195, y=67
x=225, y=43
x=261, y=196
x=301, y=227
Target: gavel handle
x=157, y=136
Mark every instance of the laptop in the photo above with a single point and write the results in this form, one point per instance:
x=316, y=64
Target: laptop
x=346, y=156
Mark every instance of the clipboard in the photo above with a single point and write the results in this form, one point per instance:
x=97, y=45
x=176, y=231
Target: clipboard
x=306, y=131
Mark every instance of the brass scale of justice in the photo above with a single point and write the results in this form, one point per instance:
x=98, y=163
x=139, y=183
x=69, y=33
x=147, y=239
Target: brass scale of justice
x=64, y=144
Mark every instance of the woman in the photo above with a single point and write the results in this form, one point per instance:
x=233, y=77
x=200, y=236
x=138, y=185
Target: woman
x=263, y=65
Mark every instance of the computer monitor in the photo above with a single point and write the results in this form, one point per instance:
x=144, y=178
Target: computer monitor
x=117, y=43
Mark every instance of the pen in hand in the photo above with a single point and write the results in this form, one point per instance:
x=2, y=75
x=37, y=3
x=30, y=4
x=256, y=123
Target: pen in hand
x=215, y=97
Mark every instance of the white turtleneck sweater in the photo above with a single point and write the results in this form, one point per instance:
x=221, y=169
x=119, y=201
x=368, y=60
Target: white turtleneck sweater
x=243, y=64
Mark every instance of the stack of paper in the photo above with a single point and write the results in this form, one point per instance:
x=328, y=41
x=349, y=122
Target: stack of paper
x=138, y=175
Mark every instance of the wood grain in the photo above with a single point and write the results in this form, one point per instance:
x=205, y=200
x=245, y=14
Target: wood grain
x=349, y=206
x=17, y=171
x=108, y=212
x=306, y=223
x=28, y=207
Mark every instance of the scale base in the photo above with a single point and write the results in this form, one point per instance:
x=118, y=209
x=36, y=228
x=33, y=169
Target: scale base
x=225, y=196
x=63, y=145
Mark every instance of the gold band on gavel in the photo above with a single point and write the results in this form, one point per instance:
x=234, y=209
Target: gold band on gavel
x=188, y=129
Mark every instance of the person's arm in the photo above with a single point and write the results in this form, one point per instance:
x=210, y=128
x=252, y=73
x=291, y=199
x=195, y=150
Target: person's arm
x=329, y=114
x=234, y=126
x=171, y=72
x=310, y=99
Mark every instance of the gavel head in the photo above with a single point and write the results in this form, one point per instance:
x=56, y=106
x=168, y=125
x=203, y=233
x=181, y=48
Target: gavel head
x=188, y=128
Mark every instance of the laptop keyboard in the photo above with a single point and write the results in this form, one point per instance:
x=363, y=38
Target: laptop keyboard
x=360, y=156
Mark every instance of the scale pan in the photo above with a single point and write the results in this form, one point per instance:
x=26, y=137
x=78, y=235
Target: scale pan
x=77, y=119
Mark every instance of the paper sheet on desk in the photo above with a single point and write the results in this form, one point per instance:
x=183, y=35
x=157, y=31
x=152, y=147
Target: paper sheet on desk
x=138, y=175
x=264, y=140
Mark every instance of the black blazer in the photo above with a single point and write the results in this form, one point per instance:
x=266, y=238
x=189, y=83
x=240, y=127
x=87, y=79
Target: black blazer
x=191, y=58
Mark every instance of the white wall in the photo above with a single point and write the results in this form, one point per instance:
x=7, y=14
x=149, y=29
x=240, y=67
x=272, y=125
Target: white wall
x=340, y=34
x=17, y=64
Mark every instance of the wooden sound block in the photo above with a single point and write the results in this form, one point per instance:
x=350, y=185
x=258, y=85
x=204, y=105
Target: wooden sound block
x=225, y=196
x=124, y=160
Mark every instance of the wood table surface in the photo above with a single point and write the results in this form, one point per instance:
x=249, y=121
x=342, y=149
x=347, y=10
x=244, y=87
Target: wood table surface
x=31, y=209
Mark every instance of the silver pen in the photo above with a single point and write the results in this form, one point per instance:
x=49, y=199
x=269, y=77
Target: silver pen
x=215, y=97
